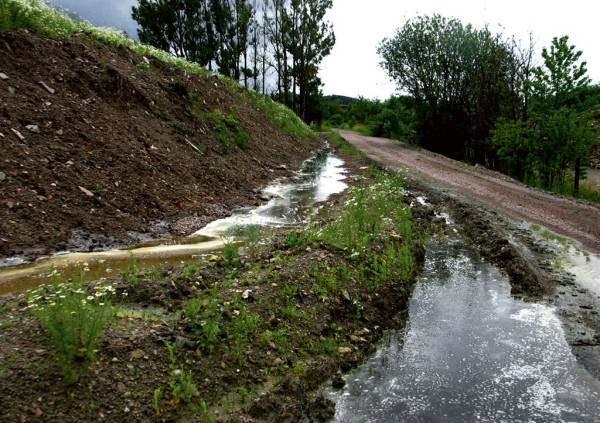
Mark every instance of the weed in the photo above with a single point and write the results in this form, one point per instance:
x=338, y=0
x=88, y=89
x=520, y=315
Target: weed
x=74, y=319
x=251, y=238
x=239, y=331
x=328, y=346
x=190, y=271
x=131, y=274
x=281, y=339
x=290, y=312
x=205, y=317
x=231, y=253
x=156, y=401
x=181, y=383
x=228, y=130
x=295, y=239
x=289, y=291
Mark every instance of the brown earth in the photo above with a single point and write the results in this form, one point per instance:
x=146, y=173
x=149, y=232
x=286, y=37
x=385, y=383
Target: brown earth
x=265, y=378
x=579, y=220
x=108, y=161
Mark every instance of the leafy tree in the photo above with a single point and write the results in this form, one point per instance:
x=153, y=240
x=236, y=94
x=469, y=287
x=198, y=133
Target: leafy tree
x=562, y=73
x=461, y=78
x=559, y=133
x=178, y=26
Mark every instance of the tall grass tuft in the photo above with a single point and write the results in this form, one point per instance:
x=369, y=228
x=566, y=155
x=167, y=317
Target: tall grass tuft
x=75, y=319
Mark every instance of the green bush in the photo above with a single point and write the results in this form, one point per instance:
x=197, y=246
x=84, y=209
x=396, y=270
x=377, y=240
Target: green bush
x=75, y=319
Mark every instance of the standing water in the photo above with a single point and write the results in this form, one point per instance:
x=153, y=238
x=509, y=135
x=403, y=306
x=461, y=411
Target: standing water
x=471, y=352
x=292, y=201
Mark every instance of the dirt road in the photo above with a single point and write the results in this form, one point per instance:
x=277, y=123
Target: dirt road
x=575, y=219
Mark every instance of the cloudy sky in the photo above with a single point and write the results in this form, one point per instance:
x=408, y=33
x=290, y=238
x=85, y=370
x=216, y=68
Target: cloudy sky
x=352, y=68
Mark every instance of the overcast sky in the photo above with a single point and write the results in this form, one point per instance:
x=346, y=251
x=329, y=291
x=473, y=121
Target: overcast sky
x=352, y=69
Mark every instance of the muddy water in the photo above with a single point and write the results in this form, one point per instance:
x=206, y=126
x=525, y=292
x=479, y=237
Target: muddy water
x=291, y=201
x=471, y=352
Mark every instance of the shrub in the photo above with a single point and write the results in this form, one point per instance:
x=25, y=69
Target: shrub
x=182, y=385
x=75, y=319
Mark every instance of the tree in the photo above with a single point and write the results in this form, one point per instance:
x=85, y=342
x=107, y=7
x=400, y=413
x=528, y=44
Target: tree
x=462, y=79
x=561, y=75
x=554, y=86
x=177, y=26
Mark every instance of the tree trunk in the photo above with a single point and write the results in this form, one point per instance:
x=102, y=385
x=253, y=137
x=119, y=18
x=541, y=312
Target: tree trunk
x=577, y=177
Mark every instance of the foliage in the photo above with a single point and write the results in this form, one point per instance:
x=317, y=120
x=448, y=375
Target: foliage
x=75, y=319
x=394, y=118
x=205, y=317
x=555, y=142
x=181, y=381
x=228, y=130
x=231, y=253
x=461, y=79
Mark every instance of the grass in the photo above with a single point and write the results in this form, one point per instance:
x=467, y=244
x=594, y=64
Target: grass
x=75, y=319
x=36, y=16
x=344, y=146
x=228, y=130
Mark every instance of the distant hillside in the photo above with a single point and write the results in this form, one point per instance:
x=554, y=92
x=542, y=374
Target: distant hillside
x=102, y=145
x=341, y=99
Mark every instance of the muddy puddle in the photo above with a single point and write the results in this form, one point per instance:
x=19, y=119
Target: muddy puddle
x=291, y=201
x=470, y=352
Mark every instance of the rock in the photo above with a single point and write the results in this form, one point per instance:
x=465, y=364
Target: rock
x=247, y=294
x=37, y=412
x=18, y=134
x=49, y=89
x=11, y=90
x=137, y=354
x=2, y=176
x=282, y=167
x=33, y=128
x=344, y=350
x=3, y=76
x=86, y=192
x=120, y=387
x=358, y=339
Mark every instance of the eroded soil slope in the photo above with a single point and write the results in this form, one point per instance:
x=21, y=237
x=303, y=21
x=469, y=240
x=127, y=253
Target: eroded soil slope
x=96, y=147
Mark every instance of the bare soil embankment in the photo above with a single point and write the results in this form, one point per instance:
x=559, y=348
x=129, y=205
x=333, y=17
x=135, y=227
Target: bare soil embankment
x=103, y=147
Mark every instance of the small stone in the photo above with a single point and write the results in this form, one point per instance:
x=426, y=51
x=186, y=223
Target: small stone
x=247, y=294
x=282, y=167
x=358, y=339
x=18, y=134
x=86, y=192
x=37, y=412
x=137, y=354
x=11, y=90
x=33, y=128
x=2, y=176
x=120, y=387
x=59, y=132
x=3, y=76
x=49, y=89
x=344, y=350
